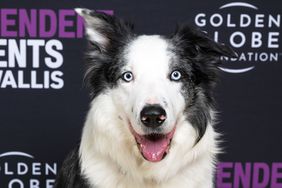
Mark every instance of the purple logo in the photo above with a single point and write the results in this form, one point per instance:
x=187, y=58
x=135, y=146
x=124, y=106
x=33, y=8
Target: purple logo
x=32, y=46
x=42, y=23
x=249, y=175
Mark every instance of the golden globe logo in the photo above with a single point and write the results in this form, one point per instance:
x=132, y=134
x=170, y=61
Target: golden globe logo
x=252, y=34
x=19, y=169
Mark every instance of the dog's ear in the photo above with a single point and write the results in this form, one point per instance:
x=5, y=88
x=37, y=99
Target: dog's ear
x=103, y=30
x=196, y=42
x=203, y=53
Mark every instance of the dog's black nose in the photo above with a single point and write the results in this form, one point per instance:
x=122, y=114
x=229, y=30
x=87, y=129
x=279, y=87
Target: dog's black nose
x=153, y=116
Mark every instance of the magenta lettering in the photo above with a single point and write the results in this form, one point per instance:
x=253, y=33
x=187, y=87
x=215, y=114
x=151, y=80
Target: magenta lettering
x=66, y=24
x=276, y=178
x=223, y=178
x=47, y=16
x=42, y=23
x=7, y=21
x=260, y=170
x=249, y=175
x=243, y=175
x=27, y=23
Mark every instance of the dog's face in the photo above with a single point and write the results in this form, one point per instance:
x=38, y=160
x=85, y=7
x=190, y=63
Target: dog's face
x=157, y=83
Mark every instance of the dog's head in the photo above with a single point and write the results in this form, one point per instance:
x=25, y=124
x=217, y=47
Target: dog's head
x=157, y=83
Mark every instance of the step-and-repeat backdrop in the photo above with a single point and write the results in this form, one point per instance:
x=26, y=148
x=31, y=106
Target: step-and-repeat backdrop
x=43, y=102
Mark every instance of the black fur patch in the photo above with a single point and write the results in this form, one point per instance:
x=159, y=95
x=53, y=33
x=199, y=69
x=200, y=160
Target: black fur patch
x=103, y=62
x=198, y=57
x=69, y=175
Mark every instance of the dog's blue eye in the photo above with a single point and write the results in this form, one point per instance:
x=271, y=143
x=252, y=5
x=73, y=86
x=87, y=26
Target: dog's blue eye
x=127, y=76
x=175, y=75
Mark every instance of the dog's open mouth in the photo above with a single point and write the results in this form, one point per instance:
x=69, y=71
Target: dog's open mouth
x=154, y=147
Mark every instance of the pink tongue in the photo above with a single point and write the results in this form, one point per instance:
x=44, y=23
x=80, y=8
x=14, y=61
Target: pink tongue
x=154, y=150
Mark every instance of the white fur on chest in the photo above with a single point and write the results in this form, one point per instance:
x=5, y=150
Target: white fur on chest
x=110, y=157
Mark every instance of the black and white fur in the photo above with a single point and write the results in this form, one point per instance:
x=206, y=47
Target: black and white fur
x=108, y=155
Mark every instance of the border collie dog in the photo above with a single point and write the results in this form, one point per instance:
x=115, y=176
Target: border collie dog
x=150, y=123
